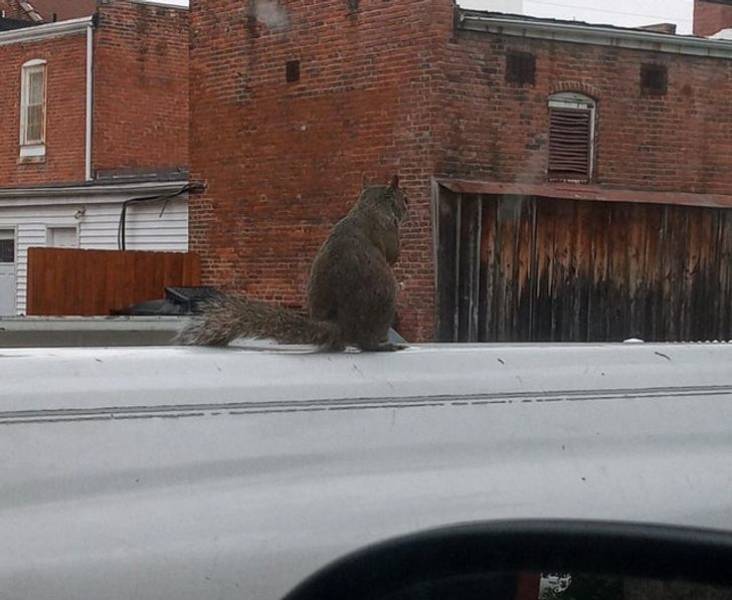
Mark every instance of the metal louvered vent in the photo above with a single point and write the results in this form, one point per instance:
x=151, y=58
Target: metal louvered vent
x=570, y=143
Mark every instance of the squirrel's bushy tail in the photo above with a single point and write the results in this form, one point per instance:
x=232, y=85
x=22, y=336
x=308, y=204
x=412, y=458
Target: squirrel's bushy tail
x=226, y=318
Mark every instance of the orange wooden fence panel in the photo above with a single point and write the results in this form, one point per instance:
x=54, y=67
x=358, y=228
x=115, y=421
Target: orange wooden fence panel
x=68, y=281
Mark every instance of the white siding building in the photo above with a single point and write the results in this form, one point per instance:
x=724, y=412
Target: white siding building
x=85, y=217
x=54, y=190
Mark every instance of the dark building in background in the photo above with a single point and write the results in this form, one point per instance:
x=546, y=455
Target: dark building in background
x=567, y=181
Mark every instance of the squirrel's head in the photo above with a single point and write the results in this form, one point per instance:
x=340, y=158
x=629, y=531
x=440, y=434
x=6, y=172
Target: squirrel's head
x=389, y=199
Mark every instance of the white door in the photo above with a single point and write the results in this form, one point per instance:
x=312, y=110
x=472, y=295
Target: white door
x=62, y=237
x=7, y=272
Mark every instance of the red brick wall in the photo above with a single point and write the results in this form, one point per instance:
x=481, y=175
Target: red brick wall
x=394, y=87
x=711, y=16
x=140, y=87
x=284, y=161
x=492, y=130
x=65, y=119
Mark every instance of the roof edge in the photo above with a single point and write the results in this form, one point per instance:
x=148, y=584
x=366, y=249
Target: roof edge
x=601, y=35
x=585, y=192
x=92, y=190
x=46, y=30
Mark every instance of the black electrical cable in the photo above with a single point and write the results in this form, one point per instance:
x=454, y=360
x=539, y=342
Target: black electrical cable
x=121, y=227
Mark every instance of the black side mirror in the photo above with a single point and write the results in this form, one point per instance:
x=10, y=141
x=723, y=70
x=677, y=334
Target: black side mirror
x=534, y=560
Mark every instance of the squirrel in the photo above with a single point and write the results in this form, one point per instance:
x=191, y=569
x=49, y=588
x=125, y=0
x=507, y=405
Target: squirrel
x=351, y=292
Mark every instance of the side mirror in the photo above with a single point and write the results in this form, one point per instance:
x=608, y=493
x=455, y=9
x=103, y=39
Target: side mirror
x=534, y=560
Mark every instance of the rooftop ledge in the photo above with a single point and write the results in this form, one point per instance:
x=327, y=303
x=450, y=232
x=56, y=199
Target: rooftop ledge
x=599, y=35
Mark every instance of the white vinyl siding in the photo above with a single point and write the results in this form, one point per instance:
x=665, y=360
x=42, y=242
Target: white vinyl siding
x=145, y=230
x=97, y=227
x=33, y=108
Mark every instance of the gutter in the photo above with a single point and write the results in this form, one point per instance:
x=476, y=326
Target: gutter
x=101, y=193
x=47, y=30
x=89, y=93
x=598, y=35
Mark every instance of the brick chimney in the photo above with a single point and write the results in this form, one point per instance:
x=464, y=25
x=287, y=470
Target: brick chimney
x=711, y=16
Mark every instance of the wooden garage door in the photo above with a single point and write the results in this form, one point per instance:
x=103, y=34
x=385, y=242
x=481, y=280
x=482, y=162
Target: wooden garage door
x=539, y=269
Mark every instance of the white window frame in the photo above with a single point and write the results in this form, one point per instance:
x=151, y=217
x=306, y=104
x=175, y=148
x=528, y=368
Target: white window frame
x=579, y=102
x=32, y=148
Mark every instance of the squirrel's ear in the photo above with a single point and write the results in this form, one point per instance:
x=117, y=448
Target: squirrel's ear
x=394, y=182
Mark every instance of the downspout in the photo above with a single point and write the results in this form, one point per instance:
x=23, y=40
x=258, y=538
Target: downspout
x=89, y=104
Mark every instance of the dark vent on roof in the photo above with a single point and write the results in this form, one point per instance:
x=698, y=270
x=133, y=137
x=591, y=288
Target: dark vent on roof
x=570, y=143
x=654, y=80
x=520, y=68
x=292, y=71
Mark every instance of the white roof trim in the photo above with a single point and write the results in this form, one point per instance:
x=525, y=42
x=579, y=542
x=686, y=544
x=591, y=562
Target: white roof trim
x=725, y=34
x=595, y=34
x=39, y=32
x=100, y=193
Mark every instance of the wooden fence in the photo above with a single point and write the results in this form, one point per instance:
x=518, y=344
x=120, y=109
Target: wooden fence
x=529, y=269
x=68, y=281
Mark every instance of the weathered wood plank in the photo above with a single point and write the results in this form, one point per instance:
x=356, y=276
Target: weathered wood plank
x=446, y=273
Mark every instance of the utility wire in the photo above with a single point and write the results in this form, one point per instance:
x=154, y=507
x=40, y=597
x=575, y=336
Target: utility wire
x=609, y=11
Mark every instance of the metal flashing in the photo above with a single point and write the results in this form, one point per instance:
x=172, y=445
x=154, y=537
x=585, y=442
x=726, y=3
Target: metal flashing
x=588, y=192
x=600, y=35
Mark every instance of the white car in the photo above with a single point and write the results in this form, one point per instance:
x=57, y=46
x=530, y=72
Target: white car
x=189, y=473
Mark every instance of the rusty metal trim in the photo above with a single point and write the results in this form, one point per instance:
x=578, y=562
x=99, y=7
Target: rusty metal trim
x=578, y=191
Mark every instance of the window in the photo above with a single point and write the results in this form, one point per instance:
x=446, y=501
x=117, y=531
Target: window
x=33, y=109
x=62, y=237
x=520, y=68
x=654, y=80
x=571, y=137
x=7, y=246
x=292, y=71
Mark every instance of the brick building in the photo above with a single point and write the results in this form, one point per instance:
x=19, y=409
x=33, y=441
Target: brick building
x=712, y=16
x=567, y=181
x=95, y=102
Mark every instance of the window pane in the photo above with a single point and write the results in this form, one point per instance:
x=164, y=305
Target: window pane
x=34, y=127
x=35, y=86
x=7, y=251
x=62, y=237
x=33, y=108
